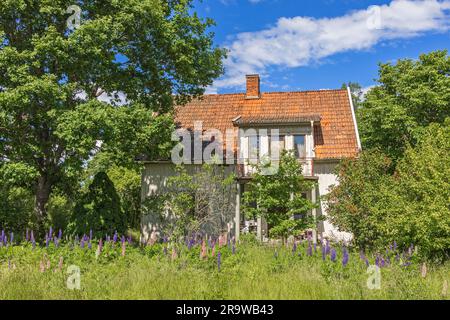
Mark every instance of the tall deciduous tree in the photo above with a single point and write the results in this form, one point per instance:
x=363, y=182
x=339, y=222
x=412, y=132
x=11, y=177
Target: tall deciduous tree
x=411, y=95
x=279, y=197
x=141, y=55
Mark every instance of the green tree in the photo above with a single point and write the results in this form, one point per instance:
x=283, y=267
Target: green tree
x=279, y=197
x=411, y=95
x=409, y=206
x=99, y=210
x=53, y=81
x=356, y=92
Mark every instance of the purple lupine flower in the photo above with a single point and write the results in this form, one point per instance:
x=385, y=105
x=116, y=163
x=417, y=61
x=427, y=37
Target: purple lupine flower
x=90, y=234
x=55, y=240
x=294, y=247
x=315, y=247
x=190, y=244
x=11, y=240
x=233, y=248
x=377, y=261
x=130, y=240
x=89, y=245
x=59, y=234
x=5, y=240
x=333, y=255
x=397, y=257
x=218, y=260
x=367, y=262
x=2, y=236
x=47, y=241
x=122, y=240
x=33, y=242
x=395, y=245
x=309, y=250
x=406, y=264
x=324, y=253
x=115, y=237
x=82, y=243
x=327, y=247
x=26, y=235
x=50, y=233
x=344, y=256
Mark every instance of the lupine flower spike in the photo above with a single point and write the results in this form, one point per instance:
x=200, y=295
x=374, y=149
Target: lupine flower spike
x=333, y=255
x=123, y=246
x=33, y=242
x=174, y=253
x=344, y=256
x=219, y=256
x=203, y=251
x=423, y=270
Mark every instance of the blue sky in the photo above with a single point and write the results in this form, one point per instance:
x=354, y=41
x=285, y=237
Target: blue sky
x=320, y=44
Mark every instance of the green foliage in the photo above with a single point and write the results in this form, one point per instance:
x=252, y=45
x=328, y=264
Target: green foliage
x=200, y=199
x=127, y=183
x=411, y=95
x=99, y=210
x=15, y=196
x=356, y=92
x=143, y=56
x=410, y=206
x=60, y=208
x=279, y=196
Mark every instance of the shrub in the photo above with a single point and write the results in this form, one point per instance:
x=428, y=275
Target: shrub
x=98, y=209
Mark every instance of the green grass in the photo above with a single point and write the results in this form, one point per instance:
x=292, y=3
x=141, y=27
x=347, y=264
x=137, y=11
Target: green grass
x=252, y=273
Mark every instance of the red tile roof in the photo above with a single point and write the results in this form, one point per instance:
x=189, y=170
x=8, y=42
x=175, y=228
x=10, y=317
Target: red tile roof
x=334, y=136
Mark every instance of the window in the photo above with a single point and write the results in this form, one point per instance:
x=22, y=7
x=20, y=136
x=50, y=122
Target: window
x=253, y=147
x=299, y=146
x=276, y=146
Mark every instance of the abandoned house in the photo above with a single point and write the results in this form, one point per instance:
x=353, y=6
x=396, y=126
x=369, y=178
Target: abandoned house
x=320, y=126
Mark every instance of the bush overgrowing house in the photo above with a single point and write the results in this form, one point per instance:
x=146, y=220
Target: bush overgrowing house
x=246, y=128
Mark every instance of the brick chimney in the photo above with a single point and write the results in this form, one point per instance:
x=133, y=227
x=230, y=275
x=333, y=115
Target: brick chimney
x=253, y=87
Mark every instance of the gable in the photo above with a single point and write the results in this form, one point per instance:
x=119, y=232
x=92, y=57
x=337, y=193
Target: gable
x=335, y=134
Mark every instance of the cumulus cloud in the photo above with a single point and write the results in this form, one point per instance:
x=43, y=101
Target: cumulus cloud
x=300, y=41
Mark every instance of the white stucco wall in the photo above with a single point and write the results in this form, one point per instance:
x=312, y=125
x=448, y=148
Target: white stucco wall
x=154, y=182
x=325, y=172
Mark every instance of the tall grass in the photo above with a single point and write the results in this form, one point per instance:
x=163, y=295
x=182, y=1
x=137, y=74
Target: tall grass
x=253, y=272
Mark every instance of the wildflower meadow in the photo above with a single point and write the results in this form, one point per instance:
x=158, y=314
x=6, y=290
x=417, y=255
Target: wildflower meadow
x=118, y=267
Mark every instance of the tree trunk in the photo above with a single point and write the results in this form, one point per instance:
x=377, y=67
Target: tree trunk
x=43, y=189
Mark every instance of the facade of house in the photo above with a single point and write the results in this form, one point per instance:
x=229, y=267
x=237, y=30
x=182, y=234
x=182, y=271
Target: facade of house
x=320, y=126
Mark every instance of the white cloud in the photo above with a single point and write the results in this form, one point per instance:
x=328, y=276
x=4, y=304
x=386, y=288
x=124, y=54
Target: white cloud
x=300, y=41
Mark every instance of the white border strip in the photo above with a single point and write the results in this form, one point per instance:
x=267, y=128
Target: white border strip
x=354, y=118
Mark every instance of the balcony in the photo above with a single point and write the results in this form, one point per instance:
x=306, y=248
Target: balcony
x=246, y=170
